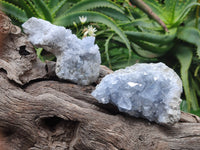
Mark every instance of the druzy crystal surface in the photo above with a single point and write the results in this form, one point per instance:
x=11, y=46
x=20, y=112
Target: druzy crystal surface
x=78, y=60
x=150, y=91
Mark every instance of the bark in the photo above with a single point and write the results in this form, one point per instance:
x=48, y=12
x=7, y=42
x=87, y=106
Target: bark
x=40, y=112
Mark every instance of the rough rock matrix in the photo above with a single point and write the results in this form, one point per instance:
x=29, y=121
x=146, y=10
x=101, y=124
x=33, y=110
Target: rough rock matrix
x=151, y=91
x=77, y=60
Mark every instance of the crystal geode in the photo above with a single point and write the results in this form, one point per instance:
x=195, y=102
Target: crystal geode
x=150, y=91
x=77, y=60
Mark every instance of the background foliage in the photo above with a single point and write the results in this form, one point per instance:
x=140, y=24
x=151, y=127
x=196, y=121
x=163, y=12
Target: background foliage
x=126, y=35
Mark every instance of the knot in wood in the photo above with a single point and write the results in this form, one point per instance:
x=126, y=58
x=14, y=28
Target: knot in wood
x=6, y=26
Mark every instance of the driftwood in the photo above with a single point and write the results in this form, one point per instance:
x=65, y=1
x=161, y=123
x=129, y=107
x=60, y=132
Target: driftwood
x=40, y=112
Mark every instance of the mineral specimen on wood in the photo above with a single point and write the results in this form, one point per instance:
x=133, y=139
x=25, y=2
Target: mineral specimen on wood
x=77, y=60
x=151, y=91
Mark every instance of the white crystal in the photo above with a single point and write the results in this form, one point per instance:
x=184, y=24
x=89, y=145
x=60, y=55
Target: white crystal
x=132, y=84
x=77, y=60
x=151, y=91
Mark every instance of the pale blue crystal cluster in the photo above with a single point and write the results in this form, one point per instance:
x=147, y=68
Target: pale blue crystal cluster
x=78, y=60
x=151, y=91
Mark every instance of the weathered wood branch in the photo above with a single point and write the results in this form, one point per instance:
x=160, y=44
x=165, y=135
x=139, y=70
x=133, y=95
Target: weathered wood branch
x=144, y=7
x=40, y=112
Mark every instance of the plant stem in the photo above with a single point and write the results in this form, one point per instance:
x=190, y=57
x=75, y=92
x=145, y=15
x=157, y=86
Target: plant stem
x=106, y=50
x=144, y=7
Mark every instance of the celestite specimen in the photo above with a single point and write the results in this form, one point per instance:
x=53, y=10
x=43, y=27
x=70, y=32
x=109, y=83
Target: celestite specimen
x=150, y=91
x=77, y=60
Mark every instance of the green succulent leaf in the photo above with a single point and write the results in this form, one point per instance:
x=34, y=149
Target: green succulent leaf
x=53, y=3
x=58, y=7
x=184, y=55
x=184, y=106
x=151, y=37
x=145, y=53
x=160, y=49
x=185, y=12
x=144, y=23
x=194, y=93
x=144, y=49
x=14, y=11
x=172, y=12
x=177, y=9
x=190, y=35
x=42, y=7
x=115, y=14
x=91, y=4
x=15, y=2
x=29, y=8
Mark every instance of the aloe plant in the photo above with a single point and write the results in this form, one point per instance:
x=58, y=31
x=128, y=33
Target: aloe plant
x=149, y=40
x=52, y=10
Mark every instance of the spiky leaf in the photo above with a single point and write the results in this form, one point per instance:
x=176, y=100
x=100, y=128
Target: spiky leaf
x=154, y=38
x=14, y=11
x=113, y=13
x=53, y=3
x=91, y=4
x=172, y=11
x=58, y=7
x=29, y=8
x=42, y=6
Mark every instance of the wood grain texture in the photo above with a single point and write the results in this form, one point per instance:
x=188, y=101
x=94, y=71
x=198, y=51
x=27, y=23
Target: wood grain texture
x=40, y=112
